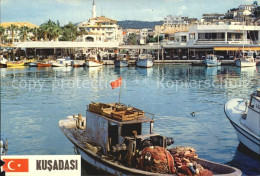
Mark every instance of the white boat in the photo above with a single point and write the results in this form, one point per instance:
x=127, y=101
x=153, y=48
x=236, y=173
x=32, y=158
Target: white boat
x=62, y=62
x=93, y=63
x=246, y=59
x=121, y=61
x=3, y=62
x=113, y=141
x=32, y=64
x=145, y=61
x=245, y=118
x=211, y=61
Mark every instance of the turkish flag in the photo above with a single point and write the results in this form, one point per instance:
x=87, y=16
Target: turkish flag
x=116, y=83
x=16, y=165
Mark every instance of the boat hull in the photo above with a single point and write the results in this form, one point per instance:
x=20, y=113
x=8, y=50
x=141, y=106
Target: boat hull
x=110, y=167
x=15, y=65
x=121, y=63
x=3, y=65
x=32, y=64
x=93, y=64
x=245, y=135
x=144, y=63
x=209, y=63
x=43, y=65
x=241, y=63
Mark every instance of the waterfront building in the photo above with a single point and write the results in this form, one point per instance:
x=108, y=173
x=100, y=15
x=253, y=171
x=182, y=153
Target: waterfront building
x=224, y=34
x=17, y=31
x=144, y=34
x=101, y=29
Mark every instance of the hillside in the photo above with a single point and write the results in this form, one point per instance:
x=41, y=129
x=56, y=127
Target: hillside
x=138, y=24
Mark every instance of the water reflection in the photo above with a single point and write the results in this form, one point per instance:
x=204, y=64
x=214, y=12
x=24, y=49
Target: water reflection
x=145, y=71
x=211, y=71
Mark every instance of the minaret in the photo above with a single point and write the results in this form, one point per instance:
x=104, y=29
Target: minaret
x=94, y=13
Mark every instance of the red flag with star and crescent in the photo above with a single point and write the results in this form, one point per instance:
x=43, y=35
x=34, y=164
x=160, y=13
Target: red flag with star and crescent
x=16, y=165
x=116, y=83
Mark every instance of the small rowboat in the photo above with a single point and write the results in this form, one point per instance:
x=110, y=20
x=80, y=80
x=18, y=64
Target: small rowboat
x=44, y=65
x=15, y=64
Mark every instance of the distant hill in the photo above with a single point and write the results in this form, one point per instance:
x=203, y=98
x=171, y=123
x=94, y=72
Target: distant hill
x=138, y=24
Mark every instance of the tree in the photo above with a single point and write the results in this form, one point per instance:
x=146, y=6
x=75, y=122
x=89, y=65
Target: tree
x=24, y=31
x=70, y=32
x=12, y=28
x=49, y=30
x=132, y=39
x=35, y=32
x=2, y=31
x=257, y=12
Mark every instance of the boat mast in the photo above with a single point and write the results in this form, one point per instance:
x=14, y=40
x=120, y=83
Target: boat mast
x=243, y=37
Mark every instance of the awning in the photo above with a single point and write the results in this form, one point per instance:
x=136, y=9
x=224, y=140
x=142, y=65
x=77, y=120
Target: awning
x=236, y=48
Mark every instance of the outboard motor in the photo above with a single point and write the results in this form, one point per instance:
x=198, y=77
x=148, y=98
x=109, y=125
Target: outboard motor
x=3, y=146
x=169, y=141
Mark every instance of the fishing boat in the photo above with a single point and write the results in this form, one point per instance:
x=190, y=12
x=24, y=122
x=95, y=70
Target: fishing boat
x=145, y=61
x=246, y=59
x=211, y=61
x=93, y=62
x=62, y=62
x=121, y=61
x=245, y=117
x=111, y=138
x=77, y=63
x=15, y=64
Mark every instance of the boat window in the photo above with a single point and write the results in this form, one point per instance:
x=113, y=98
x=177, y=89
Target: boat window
x=113, y=134
x=127, y=130
x=252, y=102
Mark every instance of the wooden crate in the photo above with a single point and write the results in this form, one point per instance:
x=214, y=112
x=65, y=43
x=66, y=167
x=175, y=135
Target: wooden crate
x=99, y=108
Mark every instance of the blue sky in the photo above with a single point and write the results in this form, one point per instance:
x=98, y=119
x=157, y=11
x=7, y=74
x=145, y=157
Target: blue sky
x=39, y=11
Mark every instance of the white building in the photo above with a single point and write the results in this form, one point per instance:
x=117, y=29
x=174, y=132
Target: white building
x=105, y=29
x=144, y=33
x=175, y=20
x=223, y=34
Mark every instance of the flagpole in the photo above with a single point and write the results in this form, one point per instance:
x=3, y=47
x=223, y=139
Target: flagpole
x=120, y=92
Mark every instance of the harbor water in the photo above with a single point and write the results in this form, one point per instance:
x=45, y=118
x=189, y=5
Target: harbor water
x=33, y=100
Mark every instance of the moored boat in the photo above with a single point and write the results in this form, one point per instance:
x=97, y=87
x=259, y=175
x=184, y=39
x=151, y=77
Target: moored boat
x=244, y=117
x=43, y=64
x=3, y=62
x=111, y=138
x=246, y=59
x=145, y=61
x=77, y=63
x=62, y=62
x=93, y=62
x=15, y=64
x=32, y=64
x=211, y=61
x=121, y=61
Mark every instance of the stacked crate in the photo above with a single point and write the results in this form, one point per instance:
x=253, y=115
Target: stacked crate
x=116, y=111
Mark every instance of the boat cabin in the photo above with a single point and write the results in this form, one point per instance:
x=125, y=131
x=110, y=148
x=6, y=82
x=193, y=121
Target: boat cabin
x=211, y=57
x=116, y=127
x=253, y=113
